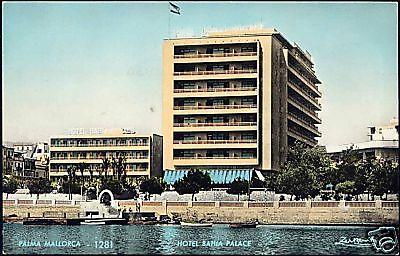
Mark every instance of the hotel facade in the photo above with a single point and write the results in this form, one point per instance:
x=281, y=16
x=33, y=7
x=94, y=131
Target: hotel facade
x=143, y=153
x=236, y=100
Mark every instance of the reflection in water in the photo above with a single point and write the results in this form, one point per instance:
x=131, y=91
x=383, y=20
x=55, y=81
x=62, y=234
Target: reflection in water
x=140, y=239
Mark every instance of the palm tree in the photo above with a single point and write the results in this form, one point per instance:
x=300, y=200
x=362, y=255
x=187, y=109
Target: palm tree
x=105, y=165
x=82, y=167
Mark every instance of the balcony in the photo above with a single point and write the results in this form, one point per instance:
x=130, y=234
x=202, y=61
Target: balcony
x=195, y=144
x=229, y=126
x=216, y=74
x=202, y=57
x=93, y=160
x=217, y=160
x=305, y=80
x=304, y=65
x=301, y=107
x=304, y=124
x=129, y=172
x=100, y=145
x=304, y=94
x=213, y=55
x=301, y=137
x=215, y=92
x=216, y=109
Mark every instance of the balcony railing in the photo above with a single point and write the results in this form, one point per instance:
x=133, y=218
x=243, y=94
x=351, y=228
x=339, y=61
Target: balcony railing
x=216, y=72
x=96, y=173
x=213, y=55
x=215, y=107
x=305, y=94
x=215, y=124
x=304, y=65
x=298, y=72
x=213, y=141
x=213, y=157
x=307, y=110
x=93, y=158
x=314, y=141
x=305, y=123
x=216, y=89
x=100, y=145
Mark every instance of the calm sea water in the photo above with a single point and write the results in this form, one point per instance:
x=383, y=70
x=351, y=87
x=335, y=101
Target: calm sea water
x=220, y=239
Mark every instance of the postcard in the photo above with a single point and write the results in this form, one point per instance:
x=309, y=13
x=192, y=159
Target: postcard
x=187, y=128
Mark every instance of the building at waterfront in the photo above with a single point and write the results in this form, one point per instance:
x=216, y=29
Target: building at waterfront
x=235, y=100
x=8, y=159
x=383, y=142
x=143, y=153
x=25, y=161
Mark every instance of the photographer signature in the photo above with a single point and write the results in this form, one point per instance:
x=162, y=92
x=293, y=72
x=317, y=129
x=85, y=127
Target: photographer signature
x=383, y=239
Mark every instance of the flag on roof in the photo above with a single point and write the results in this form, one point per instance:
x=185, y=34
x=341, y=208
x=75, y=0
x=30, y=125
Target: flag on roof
x=174, y=8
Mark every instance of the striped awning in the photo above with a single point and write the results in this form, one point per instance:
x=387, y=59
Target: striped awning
x=221, y=176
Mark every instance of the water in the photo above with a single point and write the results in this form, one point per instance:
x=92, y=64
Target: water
x=139, y=239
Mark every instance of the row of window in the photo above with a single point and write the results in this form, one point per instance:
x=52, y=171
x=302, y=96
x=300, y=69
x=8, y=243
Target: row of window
x=96, y=167
x=98, y=155
x=217, y=50
x=99, y=142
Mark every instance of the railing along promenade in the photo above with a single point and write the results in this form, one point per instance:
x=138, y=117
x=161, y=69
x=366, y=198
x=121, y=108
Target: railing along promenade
x=242, y=204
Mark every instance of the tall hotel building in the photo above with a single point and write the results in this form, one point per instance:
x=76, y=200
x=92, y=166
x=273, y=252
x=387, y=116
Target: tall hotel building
x=143, y=153
x=236, y=100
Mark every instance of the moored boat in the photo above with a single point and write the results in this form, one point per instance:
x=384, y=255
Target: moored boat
x=93, y=223
x=243, y=225
x=196, y=224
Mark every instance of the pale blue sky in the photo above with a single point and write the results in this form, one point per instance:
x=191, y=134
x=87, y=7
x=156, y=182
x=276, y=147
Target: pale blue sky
x=68, y=65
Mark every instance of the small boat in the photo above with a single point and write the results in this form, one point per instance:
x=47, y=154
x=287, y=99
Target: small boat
x=243, y=225
x=196, y=224
x=93, y=223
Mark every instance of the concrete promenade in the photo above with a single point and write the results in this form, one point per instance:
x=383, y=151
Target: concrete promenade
x=267, y=212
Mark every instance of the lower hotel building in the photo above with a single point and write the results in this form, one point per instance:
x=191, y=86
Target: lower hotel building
x=143, y=153
x=233, y=102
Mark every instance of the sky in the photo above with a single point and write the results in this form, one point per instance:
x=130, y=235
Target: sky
x=89, y=65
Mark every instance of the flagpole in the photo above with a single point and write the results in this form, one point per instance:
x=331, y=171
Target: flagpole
x=169, y=22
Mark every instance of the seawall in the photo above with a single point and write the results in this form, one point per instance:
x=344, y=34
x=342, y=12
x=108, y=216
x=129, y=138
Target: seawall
x=303, y=212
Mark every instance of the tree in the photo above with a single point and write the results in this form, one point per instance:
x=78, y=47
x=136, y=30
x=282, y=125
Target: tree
x=346, y=187
x=238, y=186
x=10, y=185
x=119, y=165
x=39, y=186
x=113, y=185
x=193, y=182
x=82, y=167
x=305, y=172
x=152, y=186
x=105, y=165
x=378, y=178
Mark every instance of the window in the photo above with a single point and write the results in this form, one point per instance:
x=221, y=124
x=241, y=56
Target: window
x=189, y=103
x=188, y=137
x=247, y=83
x=188, y=154
x=247, y=101
x=248, y=49
x=217, y=119
x=218, y=102
x=188, y=51
x=190, y=120
x=39, y=150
